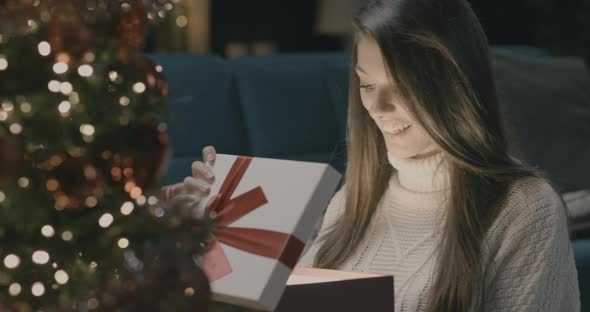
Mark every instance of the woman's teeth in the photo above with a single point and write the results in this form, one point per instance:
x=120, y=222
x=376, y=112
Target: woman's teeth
x=396, y=130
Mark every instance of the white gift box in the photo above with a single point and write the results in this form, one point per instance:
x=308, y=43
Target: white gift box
x=286, y=199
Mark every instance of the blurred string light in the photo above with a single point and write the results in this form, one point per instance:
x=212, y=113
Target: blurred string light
x=124, y=101
x=181, y=21
x=106, y=220
x=64, y=108
x=52, y=184
x=15, y=128
x=92, y=303
x=15, y=289
x=32, y=24
x=54, y=86
x=61, y=277
x=74, y=98
x=139, y=87
x=7, y=106
x=113, y=75
x=91, y=202
x=89, y=57
x=135, y=192
x=189, y=291
x=44, y=48
x=23, y=182
x=123, y=243
x=93, y=265
x=26, y=107
x=3, y=62
x=141, y=200
x=127, y=208
x=67, y=236
x=47, y=231
x=40, y=257
x=85, y=70
x=152, y=200
x=38, y=289
x=11, y=261
x=60, y=68
x=126, y=7
x=66, y=88
x=87, y=129
x=63, y=57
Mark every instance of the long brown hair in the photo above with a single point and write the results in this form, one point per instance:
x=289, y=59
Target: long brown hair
x=438, y=56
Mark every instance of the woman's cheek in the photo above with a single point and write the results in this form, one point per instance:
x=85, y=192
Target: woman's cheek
x=365, y=101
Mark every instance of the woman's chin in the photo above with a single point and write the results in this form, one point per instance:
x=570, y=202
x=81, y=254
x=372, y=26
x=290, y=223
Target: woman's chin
x=400, y=153
x=407, y=153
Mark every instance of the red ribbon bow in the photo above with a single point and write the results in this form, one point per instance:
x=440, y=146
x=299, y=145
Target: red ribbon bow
x=271, y=244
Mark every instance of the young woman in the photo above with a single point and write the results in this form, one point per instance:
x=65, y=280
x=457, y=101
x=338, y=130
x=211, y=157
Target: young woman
x=431, y=195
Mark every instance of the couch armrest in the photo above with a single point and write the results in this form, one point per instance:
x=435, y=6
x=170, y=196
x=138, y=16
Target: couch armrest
x=582, y=255
x=580, y=227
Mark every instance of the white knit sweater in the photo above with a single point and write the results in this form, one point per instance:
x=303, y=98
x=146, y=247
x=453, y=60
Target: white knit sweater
x=527, y=256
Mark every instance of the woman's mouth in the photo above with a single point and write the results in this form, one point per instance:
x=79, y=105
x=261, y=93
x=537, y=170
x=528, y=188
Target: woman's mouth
x=390, y=129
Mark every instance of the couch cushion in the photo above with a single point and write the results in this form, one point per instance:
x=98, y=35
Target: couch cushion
x=582, y=255
x=293, y=104
x=545, y=102
x=178, y=168
x=202, y=110
x=578, y=203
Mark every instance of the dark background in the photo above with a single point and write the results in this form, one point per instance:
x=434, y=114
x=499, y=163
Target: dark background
x=559, y=26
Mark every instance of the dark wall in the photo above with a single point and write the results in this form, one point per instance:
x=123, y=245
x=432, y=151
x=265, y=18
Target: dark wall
x=507, y=21
x=290, y=24
x=555, y=24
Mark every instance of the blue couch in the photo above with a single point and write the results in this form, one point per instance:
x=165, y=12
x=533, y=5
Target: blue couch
x=263, y=107
x=582, y=254
x=255, y=107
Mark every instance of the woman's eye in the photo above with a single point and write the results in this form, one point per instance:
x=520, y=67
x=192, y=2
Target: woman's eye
x=367, y=87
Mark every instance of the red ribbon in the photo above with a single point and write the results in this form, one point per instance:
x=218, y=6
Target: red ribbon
x=271, y=244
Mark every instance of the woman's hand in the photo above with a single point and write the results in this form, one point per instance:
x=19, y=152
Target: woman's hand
x=186, y=195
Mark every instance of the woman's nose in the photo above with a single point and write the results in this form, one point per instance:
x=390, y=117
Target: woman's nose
x=381, y=103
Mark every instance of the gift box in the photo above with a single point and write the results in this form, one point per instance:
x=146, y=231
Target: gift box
x=315, y=290
x=263, y=211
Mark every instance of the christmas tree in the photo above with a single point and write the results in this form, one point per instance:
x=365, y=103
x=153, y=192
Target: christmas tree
x=82, y=144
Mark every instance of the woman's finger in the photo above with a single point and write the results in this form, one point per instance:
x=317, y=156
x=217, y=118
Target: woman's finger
x=197, y=187
x=188, y=205
x=182, y=199
x=209, y=155
x=200, y=170
x=169, y=191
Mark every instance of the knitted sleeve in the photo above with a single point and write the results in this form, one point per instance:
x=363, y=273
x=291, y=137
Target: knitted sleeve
x=333, y=212
x=532, y=266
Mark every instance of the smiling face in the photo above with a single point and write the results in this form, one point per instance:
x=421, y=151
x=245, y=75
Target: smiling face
x=404, y=136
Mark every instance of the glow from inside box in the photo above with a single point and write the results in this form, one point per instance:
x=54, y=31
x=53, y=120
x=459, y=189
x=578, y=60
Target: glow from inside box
x=306, y=279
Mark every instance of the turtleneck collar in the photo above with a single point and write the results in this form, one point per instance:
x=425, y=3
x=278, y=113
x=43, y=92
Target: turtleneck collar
x=423, y=175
